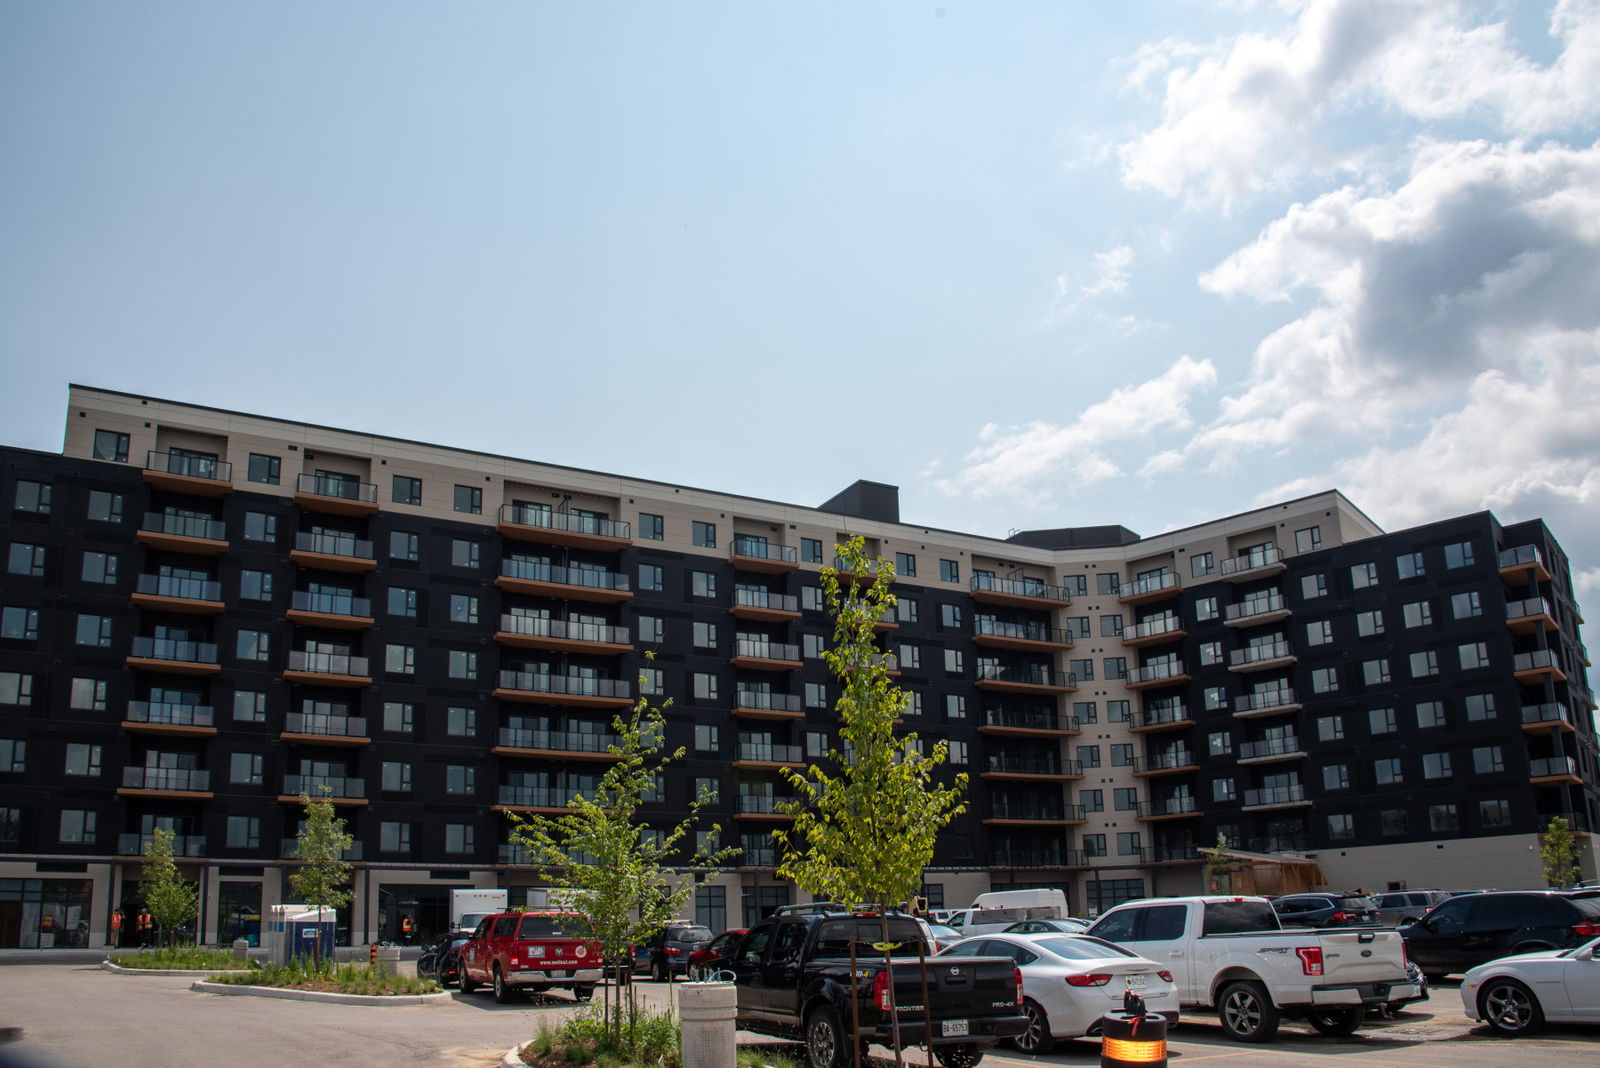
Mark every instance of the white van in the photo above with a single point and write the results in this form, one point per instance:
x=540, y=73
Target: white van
x=999, y=909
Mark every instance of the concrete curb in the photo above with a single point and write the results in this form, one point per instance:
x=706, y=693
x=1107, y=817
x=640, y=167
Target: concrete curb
x=513, y=1058
x=373, y=1000
x=120, y=970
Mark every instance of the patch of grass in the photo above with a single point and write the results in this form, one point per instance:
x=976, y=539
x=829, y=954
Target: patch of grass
x=651, y=1041
x=179, y=958
x=343, y=979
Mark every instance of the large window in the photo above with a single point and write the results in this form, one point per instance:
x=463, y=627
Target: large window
x=33, y=496
x=468, y=499
x=1458, y=554
x=652, y=527
x=651, y=577
x=264, y=469
x=26, y=559
x=111, y=445
x=19, y=624
x=949, y=571
x=905, y=565
x=810, y=550
x=703, y=534
x=407, y=490
x=77, y=825
x=1308, y=540
x=105, y=506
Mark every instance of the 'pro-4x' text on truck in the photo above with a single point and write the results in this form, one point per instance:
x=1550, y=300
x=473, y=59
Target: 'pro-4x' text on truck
x=1231, y=954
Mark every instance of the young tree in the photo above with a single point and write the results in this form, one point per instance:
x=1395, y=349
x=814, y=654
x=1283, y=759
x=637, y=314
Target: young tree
x=172, y=901
x=324, y=875
x=1558, y=848
x=864, y=832
x=619, y=871
x=1219, y=866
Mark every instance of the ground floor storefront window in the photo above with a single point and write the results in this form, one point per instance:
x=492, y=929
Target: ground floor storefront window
x=44, y=913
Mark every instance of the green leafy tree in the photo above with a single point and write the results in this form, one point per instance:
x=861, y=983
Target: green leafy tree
x=323, y=878
x=1219, y=866
x=616, y=869
x=864, y=832
x=1558, y=849
x=172, y=901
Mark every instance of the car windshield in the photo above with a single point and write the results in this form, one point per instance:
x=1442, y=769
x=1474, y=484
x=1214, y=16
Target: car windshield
x=1080, y=947
x=1361, y=903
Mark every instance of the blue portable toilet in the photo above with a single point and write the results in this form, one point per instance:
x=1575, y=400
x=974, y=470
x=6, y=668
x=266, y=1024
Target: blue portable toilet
x=303, y=931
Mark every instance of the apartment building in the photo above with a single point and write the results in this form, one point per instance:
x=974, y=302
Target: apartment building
x=206, y=613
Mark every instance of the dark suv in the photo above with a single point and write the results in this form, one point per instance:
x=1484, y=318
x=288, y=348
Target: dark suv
x=1325, y=910
x=1464, y=932
x=667, y=951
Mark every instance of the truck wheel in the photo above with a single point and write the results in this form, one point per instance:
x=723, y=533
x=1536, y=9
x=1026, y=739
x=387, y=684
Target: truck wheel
x=583, y=992
x=1036, y=1037
x=965, y=1055
x=468, y=984
x=827, y=1043
x=502, y=990
x=1246, y=1012
x=1336, y=1021
x=1510, y=1008
x=660, y=972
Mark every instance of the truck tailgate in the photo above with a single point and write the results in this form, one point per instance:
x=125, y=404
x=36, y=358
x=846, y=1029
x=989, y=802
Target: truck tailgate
x=958, y=986
x=1361, y=956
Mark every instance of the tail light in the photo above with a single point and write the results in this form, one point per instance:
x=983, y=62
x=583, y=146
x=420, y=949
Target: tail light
x=1018, y=972
x=1089, y=979
x=1166, y=976
x=1310, y=959
x=671, y=952
x=1586, y=929
x=1339, y=917
x=880, y=991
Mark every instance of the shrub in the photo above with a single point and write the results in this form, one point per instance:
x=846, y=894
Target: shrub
x=648, y=1039
x=179, y=958
x=344, y=979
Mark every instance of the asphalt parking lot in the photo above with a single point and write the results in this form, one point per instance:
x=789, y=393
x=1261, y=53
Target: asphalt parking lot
x=73, y=1014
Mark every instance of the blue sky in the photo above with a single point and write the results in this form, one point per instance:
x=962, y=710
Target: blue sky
x=1038, y=264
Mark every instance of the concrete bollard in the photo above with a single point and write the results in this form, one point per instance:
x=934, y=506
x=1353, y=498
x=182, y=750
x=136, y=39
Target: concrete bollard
x=388, y=960
x=707, y=1011
x=241, y=949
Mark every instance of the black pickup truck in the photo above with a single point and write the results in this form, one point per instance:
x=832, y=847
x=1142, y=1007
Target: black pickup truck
x=794, y=980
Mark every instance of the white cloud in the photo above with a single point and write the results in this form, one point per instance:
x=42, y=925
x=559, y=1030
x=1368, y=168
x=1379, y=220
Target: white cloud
x=1111, y=272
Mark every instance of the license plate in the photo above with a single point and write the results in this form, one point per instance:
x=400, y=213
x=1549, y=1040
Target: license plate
x=1136, y=982
x=953, y=1028
x=535, y=951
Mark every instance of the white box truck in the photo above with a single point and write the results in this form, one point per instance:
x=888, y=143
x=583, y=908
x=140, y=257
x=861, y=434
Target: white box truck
x=468, y=907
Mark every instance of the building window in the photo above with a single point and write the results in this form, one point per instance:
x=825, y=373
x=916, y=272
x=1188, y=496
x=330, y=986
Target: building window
x=652, y=527
x=111, y=445
x=707, y=739
x=461, y=722
x=1313, y=586
x=460, y=779
x=1473, y=655
x=1085, y=712
x=1092, y=800
x=1417, y=614
x=249, y=706
x=955, y=706
x=1442, y=819
x=407, y=490
x=26, y=559
x=1106, y=583
x=1479, y=707
x=463, y=664
x=94, y=630
x=33, y=497
x=19, y=624
x=1202, y=564
x=78, y=825
x=1393, y=822
x=1330, y=728
x=810, y=550
x=651, y=629
x=650, y=681
x=1435, y=765
x=1118, y=711
x=260, y=526
x=905, y=565
x=459, y=838
x=1205, y=609
x=1466, y=605
x=1128, y=844
x=402, y=602
x=463, y=608
x=1223, y=790
x=1088, y=755
x=950, y=616
x=1369, y=623
x=811, y=598
x=105, y=507
x=954, y=661
x=816, y=695
x=1409, y=566
x=703, y=534
x=16, y=688
x=469, y=499
x=910, y=656
x=1075, y=585
x=703, y=583
x=394, y=837
x=1210, y=653
x=1077, y=627
x=255, y=585
x=1341, y=827
x=1094, y=845
x=1215, y=697
x=398, y=717
x=1424, y=664
x=1111, y=626
x=705, y=635
x=1336, y=777
x=1116, y=667
x=1363, y=575
x=1320, y=632
x=1375, y=672
x=1458, y=554
x=1121, y=755
x=1125, y=799
x=1219, y=743
x=13, y=756
x=88, y=695
x=400, y=659
x=82, y=759
x=1494, y=815
x=1308, y=540
x=1382, y=721
x=1082, y=670
x=248, y=769
x=253, y=645
x=1325, y=680
x=906, y=611
x=1387, y=771
x=949, y=571
x=263, y=469
x=704, y=686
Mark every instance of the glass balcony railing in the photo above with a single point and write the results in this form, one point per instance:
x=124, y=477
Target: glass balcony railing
x=189, y=465
x=544, y=518
x=1270, y=747
x=1260, y=654
x=183, y=652
x=1028, y=676
x=184, y=526
x=591, y=578
x=761, y=649
x=1264, y=699
x=328, y=663
x=183, y=845
x=1532, y=606
x=1539, y=767
x=1275, y=795
x=1149, y=584
x=1030, y=719
x=513, y=853
x=564, y=630
x=752, y=549
x=344, y=489
x=1152, y=628
x=1044, y=857
x=769, y=702
x=1024, y=587
x=329, y=543
x=1545, y=713
x=561, y=741
x=1167, y=854
x=768, y=753
x=1002, y=808
x=761, y=805
x=289, y=849
x=776, y=602
x=1030, y=632
x=333, y=726
x=186, y=589
x=1535, y=660
x=1161, y=714
x=536, y=796
x=758, y=858
x=1520, y=556
x=185, y=779
x=331, y=604
x=1255, y=606
x=1238, y=565
x=1157, y=672
x=565, y=685
x=1182, y=805
x=1280, y=843
x=1031, y=764
x=313, y=785
x=171, y=715
x=1176, y=758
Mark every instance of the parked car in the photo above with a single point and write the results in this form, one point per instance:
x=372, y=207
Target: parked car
x=1398, y=907
x=713, y=956
x=1070, y=982
x=441, y=961
x=1066, y=926
x=531, y=951
x=1464, y=932
x=666, y=953
x=1516, y=995
x=1325, y=910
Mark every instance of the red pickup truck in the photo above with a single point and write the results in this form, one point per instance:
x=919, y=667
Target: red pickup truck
x=531, y=951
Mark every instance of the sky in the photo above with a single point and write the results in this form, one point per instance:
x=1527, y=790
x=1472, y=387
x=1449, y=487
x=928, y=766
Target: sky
x=1037, y=264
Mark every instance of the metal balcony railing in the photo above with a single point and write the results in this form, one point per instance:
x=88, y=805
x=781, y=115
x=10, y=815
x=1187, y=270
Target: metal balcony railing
x=136, y=778
x=771, y=754
x=1169, y=806
x=177, y=463
x=532, y=571
x=174, y=650
x=1255, y=606
x=327, y=663
x=1531, y=606
x=1034, y=720
x=1538, y=658
x=1166, y=669
x=1257, y=654
x=1154, y=717
x=343, y=489
x=1174, y=758
x=536, y=796
x=169, y=714
x=777, y=602
x=1166, y=854
x=1519, y=555
x=1561, y=765
x=312, y=785
x=1001, y=808
x=184, y=526
x=1275, y=795
x=564, y=630
x=564, y=741
x=1546, y=713
x=770, y=702
x=762, y=649
x=332, y=543
x=524, y=515
x=564, y=685
x=1047, y=857
x=760, y=550
x=761, y=804
x=183, y=845
x=187, y=589
x=330, y=604
x=1031, y=764
x=1025, y=587
x=1031, y=676
x=289, y=849
x=1280, y=843
x=1255, y=702
x=333, y=726
x=1149, y=584
x=1152, y=628
x=1238, y=565
x=1033, y=632
x=1269, y=747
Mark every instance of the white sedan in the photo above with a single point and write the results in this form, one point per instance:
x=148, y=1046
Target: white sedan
x=1069, y=982
x=1516, y=995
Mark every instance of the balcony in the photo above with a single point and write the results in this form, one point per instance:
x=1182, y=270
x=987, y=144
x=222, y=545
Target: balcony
x=549, y=800
x=1265, y=703
x=1554, y=771
x=757, y=858
x=1169, y=763
x=1161, y=718
x=327, y=669
x=174, y=657
x=1036, y=679
x=575, y=691
x=311, y=728
x=866, y=576
x=195, y=535
x=557, y=745
x=1170, y=808
x=751, y=554
x=522, y=522
x=183, y=845
x=763, y=606
x=1163, y=673
x=157, y=717
x=1534, y=667
x=332, y=552
x=761, y=808
x=289, y=849
x=513, y=855
x=1522, y=564
x=1552, y=716
x=1280, y=843
x=184, y=473
x=758, y=654
x=537, y=632
x=1153, y=632
x=1265, y=656
x=767, y=755
x=1026, y=637
x=1149, y=589
x=1257, y=563
x=1023, y=724
x=337, y=611
x=335, y=496
x=1047, y=857
x=1034, y=767
x=179, y=784
x=195, y=597
x=567, y=583
x=1253, y=611
x=1268, y=750
x=758, y=704
x=1531, y=615
x=1277, y=797
x=1003, y=812
x=339, y=790
x=1018, y=593
x=1175, y=854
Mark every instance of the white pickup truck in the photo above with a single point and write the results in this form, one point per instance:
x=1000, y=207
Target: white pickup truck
x=1231, y=954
